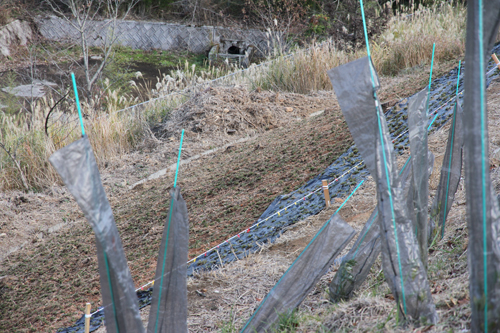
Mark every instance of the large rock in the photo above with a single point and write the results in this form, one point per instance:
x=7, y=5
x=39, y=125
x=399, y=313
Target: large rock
x=16, y=32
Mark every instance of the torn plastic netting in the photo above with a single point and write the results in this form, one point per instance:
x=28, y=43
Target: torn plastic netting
x=417, y=128
x=403, y=268
x=302, y=275
x=353, y=86
x=482, y=208
x=169, y=303
x=356, y=265
x=450, y=174
x=78, y=169
x=353, y=89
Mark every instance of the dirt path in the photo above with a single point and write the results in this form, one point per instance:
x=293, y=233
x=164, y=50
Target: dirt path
x=225, y=191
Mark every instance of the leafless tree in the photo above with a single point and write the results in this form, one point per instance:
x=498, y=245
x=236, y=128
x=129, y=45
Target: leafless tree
x=279, y=18
x=82, y=17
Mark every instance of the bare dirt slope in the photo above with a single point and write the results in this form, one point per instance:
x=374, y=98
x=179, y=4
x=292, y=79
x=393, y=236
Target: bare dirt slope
x=45, y=284
x=225, y=298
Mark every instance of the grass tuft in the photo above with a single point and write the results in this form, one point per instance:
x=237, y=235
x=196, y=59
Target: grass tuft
x=408, y=40
x=287, y=322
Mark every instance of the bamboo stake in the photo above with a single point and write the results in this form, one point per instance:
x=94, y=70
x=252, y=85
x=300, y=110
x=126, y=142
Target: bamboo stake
x=327, y=193
x=87, y=318
x=494, y=56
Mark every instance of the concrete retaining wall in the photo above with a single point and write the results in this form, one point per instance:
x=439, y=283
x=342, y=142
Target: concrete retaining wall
x=149, y=35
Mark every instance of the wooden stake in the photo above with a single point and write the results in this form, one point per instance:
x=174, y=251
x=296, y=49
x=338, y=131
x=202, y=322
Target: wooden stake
x=221, y=263
x=494, y=56
x=87, y=318
x=327, y=193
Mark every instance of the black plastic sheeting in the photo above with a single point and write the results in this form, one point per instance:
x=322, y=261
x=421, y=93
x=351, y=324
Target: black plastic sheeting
x=442, y=96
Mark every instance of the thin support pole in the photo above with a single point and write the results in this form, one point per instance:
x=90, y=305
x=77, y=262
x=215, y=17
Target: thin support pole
x=178, y=159
x=87, y=317
x=326, y=192
x=432, y=65
x=484, y=156
x=77, y=103
x=458, y=76
x=430, y=81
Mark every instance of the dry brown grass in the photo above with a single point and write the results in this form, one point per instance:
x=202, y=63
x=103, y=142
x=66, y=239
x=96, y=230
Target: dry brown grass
x=406, y=43
x=24, y=135
x=305, y=70
x=62, y=267
x=235, y=290
x=373, y=309
x=408, y=40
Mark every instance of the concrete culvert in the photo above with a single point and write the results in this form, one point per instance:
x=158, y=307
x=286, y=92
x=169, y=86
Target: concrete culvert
x=233, y=50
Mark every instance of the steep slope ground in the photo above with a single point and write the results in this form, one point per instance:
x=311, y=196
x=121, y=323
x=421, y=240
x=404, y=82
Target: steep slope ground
x=225, y=191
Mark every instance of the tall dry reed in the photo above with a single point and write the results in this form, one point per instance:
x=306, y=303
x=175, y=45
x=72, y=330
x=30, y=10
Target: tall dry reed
x=304, y=71
x=28, y=143
x=408, y=40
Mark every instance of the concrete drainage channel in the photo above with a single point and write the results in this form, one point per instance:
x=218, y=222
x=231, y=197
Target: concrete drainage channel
x=271, y=225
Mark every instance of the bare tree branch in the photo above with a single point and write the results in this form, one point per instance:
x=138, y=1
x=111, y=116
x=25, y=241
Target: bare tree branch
x=84, y=13
x=18, y=166
x=50, y=111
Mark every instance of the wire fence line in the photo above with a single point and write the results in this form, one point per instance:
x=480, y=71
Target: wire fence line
x=239, y=77
x=244, y=76
x=147, y=35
